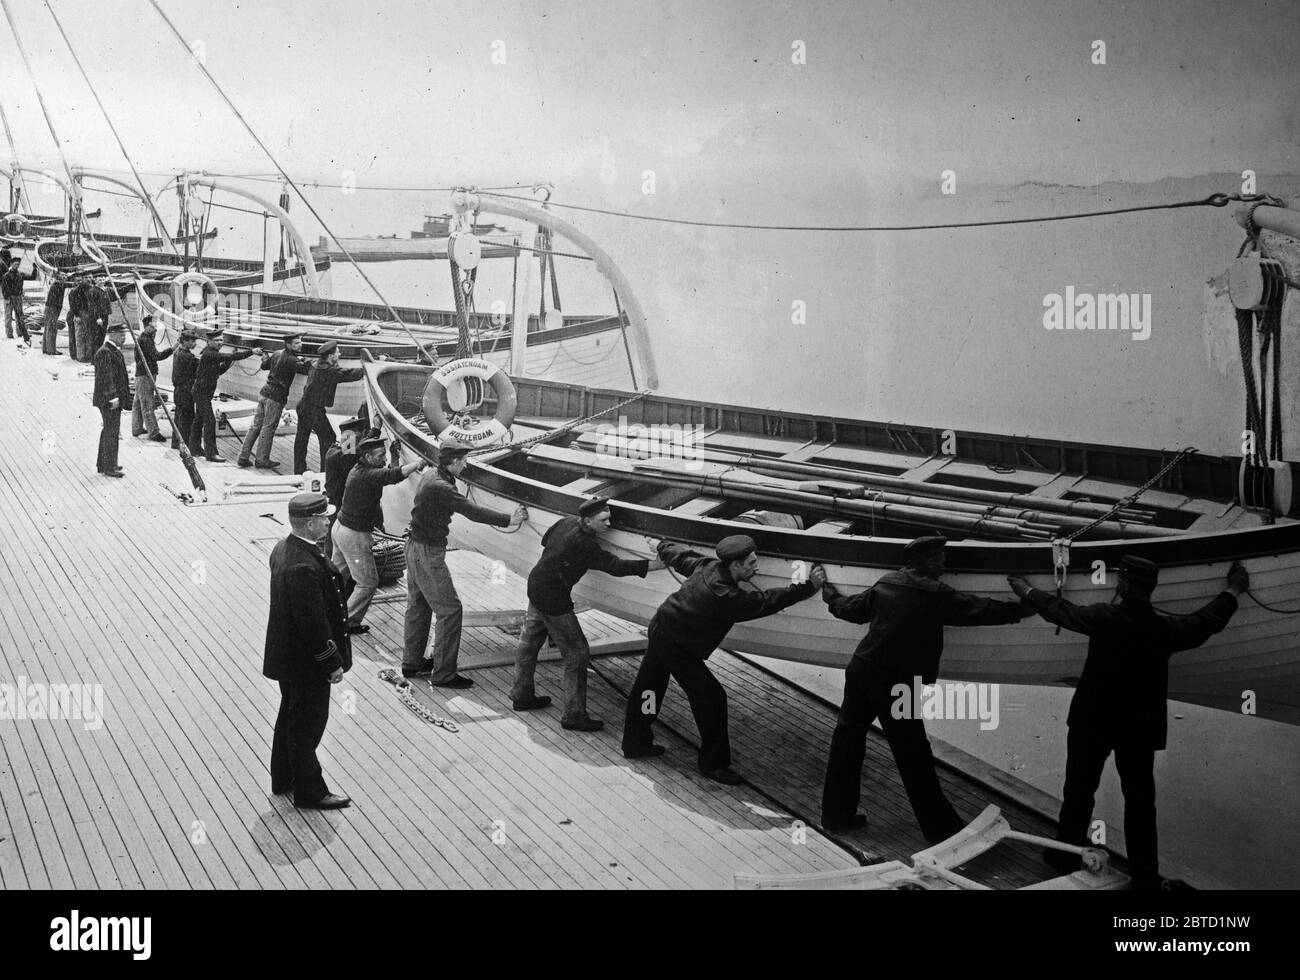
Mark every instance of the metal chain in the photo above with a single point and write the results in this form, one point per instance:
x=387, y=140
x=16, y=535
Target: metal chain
x=568, y=426
x=408, y=698
x=1131, y=498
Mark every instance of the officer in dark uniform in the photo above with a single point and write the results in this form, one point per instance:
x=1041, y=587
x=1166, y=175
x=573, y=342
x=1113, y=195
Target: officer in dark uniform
x=570, y=548
x=307, y=650
x=212, y=365
x=317, y=396
x=184, y=367
x=907, y=611
x=111, y=396
x=683, y=634
x=1120, y=702
x=284, y=366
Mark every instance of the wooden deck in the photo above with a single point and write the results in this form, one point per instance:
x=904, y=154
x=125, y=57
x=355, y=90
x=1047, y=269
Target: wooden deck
x=117, y=583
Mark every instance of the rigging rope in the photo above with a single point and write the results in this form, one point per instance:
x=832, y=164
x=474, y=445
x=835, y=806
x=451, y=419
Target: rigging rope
x=287, y=179
x=186, y=458
x=144, y=192
x=1213, y=200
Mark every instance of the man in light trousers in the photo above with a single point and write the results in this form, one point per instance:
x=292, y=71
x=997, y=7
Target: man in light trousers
x=429, y=588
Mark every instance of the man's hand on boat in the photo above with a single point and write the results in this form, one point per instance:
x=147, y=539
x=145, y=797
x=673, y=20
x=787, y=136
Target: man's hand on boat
x=1018, y=585
x=1238, y=578
x=817, y=576
x=518, y=517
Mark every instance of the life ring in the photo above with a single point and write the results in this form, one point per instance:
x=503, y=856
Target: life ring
x=15, y=226
x=192, y=291
x=470, y=367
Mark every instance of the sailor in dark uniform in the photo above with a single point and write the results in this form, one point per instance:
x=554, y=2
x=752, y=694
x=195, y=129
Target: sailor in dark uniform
x=307, y=650
x=317, y=396
x=284, y=366
x=571, y=548
x=683, y=634
x=342, y=456
x=907, y=611
x=352, y=535
x=213, y=363
x=184, y=367
x=1120, y=702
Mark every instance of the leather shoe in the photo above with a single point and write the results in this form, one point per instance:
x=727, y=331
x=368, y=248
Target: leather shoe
x=725, y=775
x=243, y=464
x=356, y=628
x=269, y=465
x=214, y=458
x=531, y=704
x=331, y=801
x=158, y=437
x=857, y=822
x=117, y=473
x=647, y=753
x=424, y=670
x=456, y=682
x=586, y=725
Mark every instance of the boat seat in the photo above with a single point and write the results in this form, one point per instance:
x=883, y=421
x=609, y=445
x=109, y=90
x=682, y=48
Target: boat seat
x=830, y=528
x=699, y=506
x=587, y=484
x=927, y=469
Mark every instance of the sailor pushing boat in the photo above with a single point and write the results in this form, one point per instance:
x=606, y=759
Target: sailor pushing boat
x=570, y=550
x=683, y=634
x=907, y=611
x=1120, y=703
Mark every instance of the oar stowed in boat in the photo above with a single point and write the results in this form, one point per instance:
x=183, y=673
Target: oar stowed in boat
x=732, y=482
x=729, y=483
x=792, y=468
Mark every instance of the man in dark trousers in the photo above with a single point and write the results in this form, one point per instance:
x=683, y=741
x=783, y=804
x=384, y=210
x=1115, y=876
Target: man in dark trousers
x=683, y=634
x=570, y=548
x=77, y=316
x=147, y=356
x=99, y=308
x=429, y=587
x=1120, y=703
x=342, y=456
x=307, y=650
x=362, y=511
x=907, y=611
x=212, y=365
x=184, y=367
x=11, y=288
x=53, y=307
x=284, y=366
x=317, y=396
x=112, y=394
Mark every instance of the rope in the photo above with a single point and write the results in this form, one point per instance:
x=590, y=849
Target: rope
x=1213, y=200
x=288, y=180
x=144, y=192
x=567, y=427
x=186, y=458
x=1276, y=609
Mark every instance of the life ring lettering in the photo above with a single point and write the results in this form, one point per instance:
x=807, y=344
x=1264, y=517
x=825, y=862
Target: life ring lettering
x=489, y=373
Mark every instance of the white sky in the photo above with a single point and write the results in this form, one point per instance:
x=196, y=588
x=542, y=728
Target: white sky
x=407, y=92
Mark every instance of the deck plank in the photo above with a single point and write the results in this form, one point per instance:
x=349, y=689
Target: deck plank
x=105, y=590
